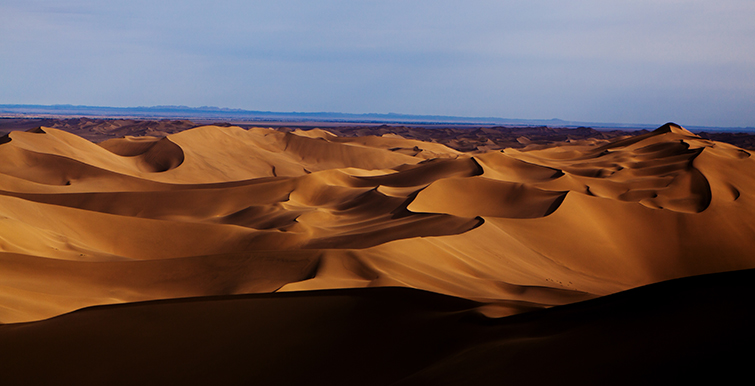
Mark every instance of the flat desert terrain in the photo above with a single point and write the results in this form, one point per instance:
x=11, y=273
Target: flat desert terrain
x=230, y=255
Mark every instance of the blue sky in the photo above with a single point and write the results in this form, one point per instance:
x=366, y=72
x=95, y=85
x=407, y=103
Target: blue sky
x=632, y=61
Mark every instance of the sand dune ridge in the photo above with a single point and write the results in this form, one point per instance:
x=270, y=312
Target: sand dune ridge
x=140, y=218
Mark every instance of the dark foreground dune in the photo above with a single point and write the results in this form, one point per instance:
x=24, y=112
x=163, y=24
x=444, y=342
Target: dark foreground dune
x=693, y=330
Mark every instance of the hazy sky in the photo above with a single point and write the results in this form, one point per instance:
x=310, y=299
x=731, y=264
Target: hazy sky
x=632, y=61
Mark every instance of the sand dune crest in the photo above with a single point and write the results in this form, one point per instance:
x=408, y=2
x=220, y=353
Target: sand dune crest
x=516, y=229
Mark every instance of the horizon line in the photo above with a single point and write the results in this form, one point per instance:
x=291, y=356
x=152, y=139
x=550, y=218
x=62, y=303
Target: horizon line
x=390, y=117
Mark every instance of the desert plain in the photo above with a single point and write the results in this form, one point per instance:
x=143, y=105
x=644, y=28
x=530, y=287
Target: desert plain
x=251, y=255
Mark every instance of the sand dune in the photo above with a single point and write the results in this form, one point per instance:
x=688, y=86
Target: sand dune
x=686, y=330
x=229, y=255
x=224, y=210
x=97, y=129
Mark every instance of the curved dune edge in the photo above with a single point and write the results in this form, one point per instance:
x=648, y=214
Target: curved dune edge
x=691, y=329
x=223, y=210
x=155, y=154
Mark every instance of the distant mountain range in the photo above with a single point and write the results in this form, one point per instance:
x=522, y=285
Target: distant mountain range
x=217, y=113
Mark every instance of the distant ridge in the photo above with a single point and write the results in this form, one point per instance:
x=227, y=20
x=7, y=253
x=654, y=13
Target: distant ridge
x=220, y=113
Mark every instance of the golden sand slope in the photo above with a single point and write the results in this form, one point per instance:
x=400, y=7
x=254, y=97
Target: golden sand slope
x=223, y=210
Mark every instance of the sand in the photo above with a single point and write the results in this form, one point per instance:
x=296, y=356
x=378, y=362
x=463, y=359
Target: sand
x=688, y=330
x=317, y=224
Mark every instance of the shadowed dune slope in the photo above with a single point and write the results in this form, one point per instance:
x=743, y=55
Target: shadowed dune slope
x=155, y=155
x=224, y=210
x=691, y=329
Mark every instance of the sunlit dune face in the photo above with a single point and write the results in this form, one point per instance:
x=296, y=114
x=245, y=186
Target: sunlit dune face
x=224, y=210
